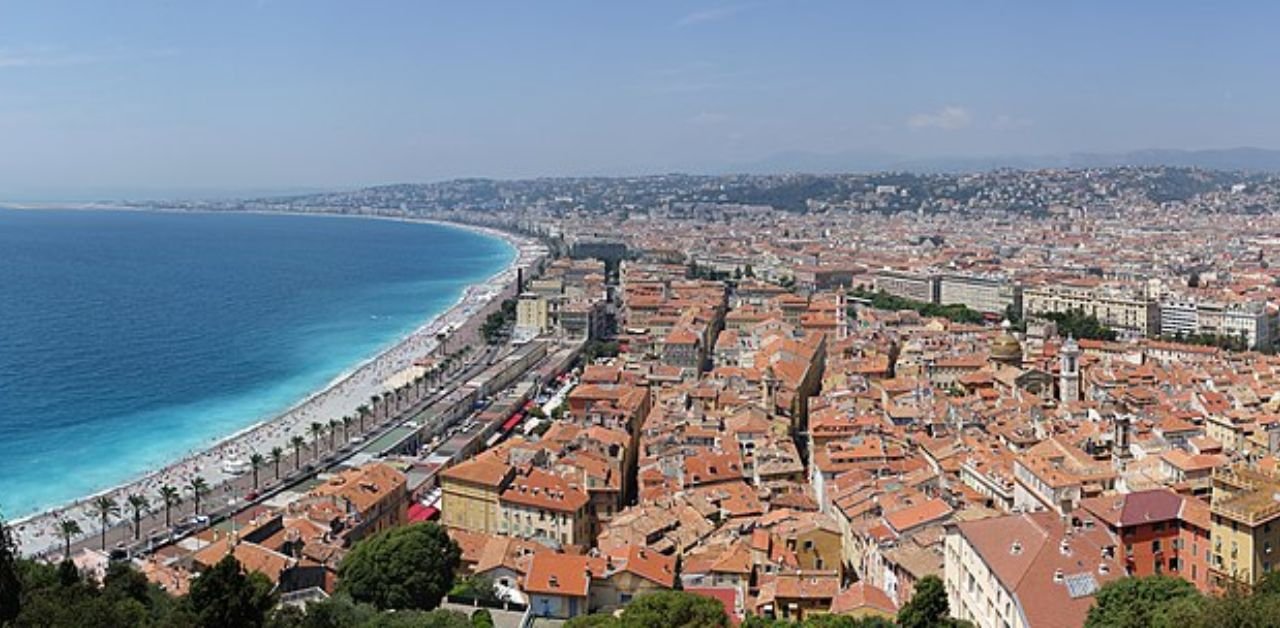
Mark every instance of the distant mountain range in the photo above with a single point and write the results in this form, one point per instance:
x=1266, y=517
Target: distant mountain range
x=1245, y=158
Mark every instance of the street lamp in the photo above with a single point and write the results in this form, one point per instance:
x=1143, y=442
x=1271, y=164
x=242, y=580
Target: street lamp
x=231, y=504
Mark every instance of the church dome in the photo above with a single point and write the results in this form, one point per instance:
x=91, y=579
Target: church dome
x=1005, y=347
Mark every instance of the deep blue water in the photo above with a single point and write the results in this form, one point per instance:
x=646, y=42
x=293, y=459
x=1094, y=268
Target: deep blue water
x=128, y=339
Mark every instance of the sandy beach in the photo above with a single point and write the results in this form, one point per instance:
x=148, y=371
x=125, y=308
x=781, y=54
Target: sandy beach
x=39, y=533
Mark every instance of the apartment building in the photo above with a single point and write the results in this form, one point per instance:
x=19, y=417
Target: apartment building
x=377, y=494
x=1163, y=533
x=982, y=293
x=1245, y=526
x=544, y=506
x=917, y=286
x=1030, y=569
x=532, y=313
x=1249, y=320
x=1127, y=311
x=471, y=490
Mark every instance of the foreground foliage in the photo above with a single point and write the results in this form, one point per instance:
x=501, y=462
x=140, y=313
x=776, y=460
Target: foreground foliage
x=1165, y=602
x=342, y=612
x=35, y=594
x=670, y=609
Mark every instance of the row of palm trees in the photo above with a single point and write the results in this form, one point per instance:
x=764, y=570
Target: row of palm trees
x=107, y=509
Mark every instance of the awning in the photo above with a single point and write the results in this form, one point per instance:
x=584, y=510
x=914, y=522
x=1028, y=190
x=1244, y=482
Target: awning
x=418, y=512
x=513, y=421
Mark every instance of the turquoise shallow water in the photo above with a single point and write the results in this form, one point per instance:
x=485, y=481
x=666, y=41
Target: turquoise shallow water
x=128, y=339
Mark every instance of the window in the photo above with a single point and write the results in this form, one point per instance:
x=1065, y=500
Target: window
x=1155, y=545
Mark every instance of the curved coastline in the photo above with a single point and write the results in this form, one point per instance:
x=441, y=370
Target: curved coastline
x=36, y=533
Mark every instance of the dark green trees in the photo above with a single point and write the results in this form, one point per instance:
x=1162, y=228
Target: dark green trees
x=403, y=568
x=927, y=607
x=670, y=609
x=10, y=585
x=226, y=596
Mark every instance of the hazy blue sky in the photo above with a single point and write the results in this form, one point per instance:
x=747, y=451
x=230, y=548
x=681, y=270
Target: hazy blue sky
x=118, y=95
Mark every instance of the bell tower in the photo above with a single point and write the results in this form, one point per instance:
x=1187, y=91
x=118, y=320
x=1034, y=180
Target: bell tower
x=1069, y=371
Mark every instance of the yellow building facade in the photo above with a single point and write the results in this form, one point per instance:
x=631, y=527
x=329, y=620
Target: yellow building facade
x=1245, y=526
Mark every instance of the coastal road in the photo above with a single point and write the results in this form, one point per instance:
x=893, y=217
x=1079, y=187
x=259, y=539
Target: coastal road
x=230, y=497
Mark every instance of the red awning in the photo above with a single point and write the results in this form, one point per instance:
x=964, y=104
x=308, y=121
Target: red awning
x=510, y=423
x=418, y=512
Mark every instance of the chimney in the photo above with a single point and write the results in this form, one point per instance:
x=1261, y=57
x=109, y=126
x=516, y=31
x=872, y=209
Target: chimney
x=1057, y=576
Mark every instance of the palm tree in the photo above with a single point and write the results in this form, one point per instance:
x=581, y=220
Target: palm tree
x=362, y=412
x=138, y=504
x=255, y=462
x=316, y=430
x=198, y=487
x=298, y=443
x=106, y=508
x=443, y=338
x=277, y=454
x=333, y=430
x=69, y=530
x=172, y=498
x=346, y=427
x=373, y=400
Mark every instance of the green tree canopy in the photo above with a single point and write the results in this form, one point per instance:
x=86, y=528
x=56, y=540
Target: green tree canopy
x=669, y=609
x=928, y=607
x=410, y=567
x=226, y=596
x=475, y=588
x=1080, y=325
x=57, y=597
x=1136, y=602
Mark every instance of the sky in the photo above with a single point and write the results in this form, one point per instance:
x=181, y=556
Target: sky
x=131, y=98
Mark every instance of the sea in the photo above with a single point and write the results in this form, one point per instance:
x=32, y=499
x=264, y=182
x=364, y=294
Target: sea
x=128, y=339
